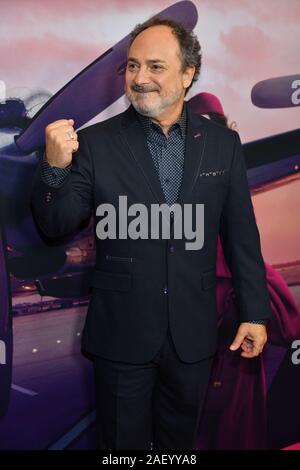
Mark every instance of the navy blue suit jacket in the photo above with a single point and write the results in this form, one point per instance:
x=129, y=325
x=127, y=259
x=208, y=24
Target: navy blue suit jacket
x=138, y=286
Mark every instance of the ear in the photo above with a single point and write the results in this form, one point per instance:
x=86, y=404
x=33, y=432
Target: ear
x=188, y=75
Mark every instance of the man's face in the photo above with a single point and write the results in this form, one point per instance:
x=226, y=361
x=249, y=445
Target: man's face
x=154, y=80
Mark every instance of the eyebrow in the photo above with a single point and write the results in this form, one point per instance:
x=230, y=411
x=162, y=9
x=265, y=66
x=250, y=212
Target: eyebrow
x=150, y=61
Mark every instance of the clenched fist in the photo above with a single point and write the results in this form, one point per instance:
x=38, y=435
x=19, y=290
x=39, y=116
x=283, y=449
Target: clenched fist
x=61, y=142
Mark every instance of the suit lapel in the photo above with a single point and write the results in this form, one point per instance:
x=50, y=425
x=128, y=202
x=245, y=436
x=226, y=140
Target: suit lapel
x=194, y=150
x=134, y=138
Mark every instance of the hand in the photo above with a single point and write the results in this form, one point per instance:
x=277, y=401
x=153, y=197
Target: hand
x=61, y=142
x=251, y=337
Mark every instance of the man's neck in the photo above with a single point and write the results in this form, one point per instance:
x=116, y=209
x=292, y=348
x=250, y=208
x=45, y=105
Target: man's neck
x=169, y=117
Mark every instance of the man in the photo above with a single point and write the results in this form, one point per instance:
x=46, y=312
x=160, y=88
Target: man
x=152, y=321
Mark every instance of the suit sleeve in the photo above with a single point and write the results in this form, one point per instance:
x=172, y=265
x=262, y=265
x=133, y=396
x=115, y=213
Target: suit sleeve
x=241, y=243
x=59, y=210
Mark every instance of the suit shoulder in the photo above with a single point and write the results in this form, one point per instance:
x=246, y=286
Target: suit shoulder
x=227, y=137
x=217, y=130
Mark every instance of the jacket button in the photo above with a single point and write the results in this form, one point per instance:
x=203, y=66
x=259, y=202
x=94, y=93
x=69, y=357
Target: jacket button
x=48, y=197
x=165, y=290
x=217, y=384
x=172, y=249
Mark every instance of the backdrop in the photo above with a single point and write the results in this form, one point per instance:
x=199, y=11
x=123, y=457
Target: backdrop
x=66, y=59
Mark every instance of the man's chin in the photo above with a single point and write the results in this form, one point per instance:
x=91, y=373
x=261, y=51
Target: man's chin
x=148, y=111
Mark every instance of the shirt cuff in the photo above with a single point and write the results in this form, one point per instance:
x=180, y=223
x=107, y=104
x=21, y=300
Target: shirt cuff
x=258, y=322
x=53, y=175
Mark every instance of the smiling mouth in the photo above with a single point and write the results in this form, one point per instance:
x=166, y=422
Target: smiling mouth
x=142, y=90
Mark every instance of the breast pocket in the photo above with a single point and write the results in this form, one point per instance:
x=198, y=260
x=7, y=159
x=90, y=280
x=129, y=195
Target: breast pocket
x=214, y=176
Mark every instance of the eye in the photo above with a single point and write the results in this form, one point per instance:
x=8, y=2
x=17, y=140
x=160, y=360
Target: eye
x=131, y=66
x=156, y=67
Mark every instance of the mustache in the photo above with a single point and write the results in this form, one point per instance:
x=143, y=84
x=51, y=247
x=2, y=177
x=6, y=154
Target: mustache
x=143, y=89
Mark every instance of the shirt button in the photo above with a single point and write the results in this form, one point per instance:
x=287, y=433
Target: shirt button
x=165, y=290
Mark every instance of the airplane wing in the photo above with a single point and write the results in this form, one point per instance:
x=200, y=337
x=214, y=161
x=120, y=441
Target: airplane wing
x=75, y=285
x=273, y=161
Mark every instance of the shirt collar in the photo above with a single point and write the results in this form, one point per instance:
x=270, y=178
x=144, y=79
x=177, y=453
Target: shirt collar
x=148, y=125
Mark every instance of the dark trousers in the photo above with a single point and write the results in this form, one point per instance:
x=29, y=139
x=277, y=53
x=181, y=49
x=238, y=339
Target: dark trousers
x=156, y=405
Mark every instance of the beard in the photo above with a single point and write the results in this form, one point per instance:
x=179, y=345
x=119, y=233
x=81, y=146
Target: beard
x=147, y=100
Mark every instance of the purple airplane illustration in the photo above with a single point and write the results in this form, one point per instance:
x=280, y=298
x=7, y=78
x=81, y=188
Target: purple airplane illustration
x=277, y=92
x=49, y=265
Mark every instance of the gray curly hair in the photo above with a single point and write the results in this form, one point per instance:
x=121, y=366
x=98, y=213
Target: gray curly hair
x=188, y=42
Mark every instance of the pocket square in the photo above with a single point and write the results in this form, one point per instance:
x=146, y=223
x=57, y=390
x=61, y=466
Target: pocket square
x=214, y=172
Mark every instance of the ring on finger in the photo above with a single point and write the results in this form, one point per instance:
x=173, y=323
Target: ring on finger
x=71, y=135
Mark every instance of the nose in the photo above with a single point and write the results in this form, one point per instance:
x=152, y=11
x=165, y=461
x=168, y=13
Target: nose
x=141, y=76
